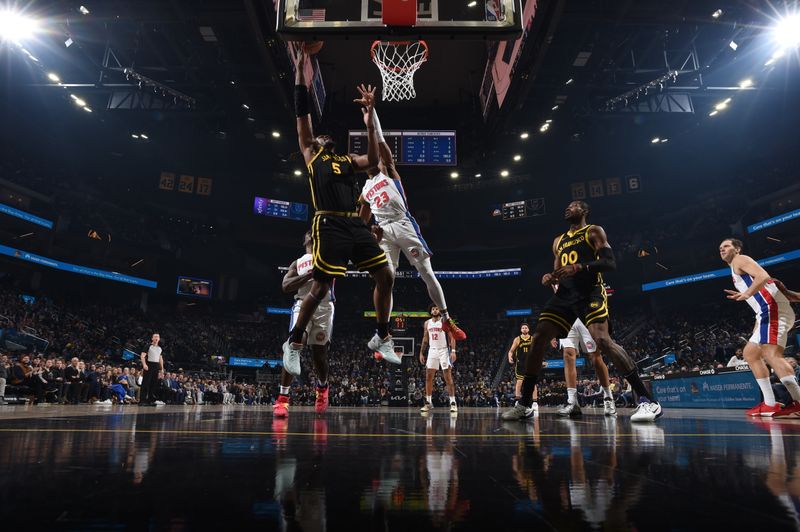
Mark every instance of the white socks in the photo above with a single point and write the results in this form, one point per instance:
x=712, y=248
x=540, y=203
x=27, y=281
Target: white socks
x=429, y=399
x=791, y=385
x=452, y=399
x=766, y=390
x=607, y=392
x=572, y=393
x=284, y=390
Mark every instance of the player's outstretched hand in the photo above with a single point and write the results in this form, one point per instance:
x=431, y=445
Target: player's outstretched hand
x=367, y=99
x=735, y=296
x=298, y=54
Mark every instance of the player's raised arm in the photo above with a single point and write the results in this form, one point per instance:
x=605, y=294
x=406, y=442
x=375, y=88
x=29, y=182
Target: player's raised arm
x=302, y=108
x=367, y=102
x=386, y=155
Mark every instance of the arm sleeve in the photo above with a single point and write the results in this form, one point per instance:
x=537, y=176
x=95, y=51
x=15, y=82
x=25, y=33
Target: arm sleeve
x=605, y=262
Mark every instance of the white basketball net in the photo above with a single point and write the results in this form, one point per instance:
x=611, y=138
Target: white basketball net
x=398, y=62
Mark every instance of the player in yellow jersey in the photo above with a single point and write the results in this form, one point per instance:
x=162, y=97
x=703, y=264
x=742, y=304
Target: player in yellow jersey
x=339, y=235
x=582, y=255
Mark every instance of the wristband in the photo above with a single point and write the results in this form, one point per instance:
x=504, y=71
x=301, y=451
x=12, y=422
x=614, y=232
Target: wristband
x=301, y=107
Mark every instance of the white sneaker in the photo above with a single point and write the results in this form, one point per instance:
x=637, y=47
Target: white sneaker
x=106, y=402
x=453, y=407
x=427, y=407
x=160, y=403
x=291, y=358
x=609, y=408
x=570, y=410
x=518, y=412
x=385, y=348
x=535, y=405
x=646, y=411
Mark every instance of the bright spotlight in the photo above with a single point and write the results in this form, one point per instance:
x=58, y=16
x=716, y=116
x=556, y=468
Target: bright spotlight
x=569, y=81
x=524, y=135
x=478, y=175
x=16, y=27
x=52, y=76
x=87, y=109
x=716, y=14
x=473, y=3
x=84, y=10
x=722, y=105
x=144, y=136
x=79, y=102
x=787, y=31
x=664, y=140
x=276, y=134
x=453, y=175
x=655, y=140
x=134, y=136
x=298, y=173
x=518, y=157
x=713, y=113
x=745, y=83
x=504, y=173
x=734, y=46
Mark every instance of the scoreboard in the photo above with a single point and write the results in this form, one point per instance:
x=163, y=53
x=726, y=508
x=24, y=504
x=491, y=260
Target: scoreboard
x=523, y=209
x=420, y=147
x=280, y=209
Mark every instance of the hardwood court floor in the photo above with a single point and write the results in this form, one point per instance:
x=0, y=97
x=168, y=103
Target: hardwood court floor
x=204, y=467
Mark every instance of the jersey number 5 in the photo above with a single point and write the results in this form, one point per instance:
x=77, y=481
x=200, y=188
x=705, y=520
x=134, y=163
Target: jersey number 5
x=336, y=168
x=381, y=200
x=569, y=258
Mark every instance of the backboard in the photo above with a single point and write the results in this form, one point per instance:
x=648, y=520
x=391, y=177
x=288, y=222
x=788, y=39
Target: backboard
x=436, y=19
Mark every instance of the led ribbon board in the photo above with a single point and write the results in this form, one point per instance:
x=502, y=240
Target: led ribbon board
x=716, y=274
x=76, y=268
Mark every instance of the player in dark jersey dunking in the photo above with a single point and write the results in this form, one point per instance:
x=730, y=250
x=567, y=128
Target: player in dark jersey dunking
x=339, y=233
x=582, y=255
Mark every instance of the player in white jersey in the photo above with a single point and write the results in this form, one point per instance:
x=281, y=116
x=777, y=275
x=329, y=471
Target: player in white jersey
x=384, y=198
x=580, y=339
x=774, y=319
x=441, y=355
x=318, y=332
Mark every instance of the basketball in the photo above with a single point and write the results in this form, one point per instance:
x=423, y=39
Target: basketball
x=312, y=47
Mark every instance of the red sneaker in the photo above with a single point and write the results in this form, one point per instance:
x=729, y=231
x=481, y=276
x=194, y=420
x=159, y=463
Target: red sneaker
x=769, y=411
x=449, y=325
x=281, y=406
x=755, y=411
x=321, y=404
x=790, y=410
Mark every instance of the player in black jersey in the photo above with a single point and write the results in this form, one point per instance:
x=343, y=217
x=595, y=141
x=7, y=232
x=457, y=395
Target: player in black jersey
x=517, y=355
x=582, y=255
x=339, y=233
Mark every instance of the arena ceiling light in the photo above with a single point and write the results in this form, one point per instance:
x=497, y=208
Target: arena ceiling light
x=655, y=140
x=569, y=81
x=276, y=134
x=524, y=135
x=87, y=109
x=733, y=45
x=472, y=4
x=245, y=107
x=52, y=76
x=504, y=173
x=716, y=14
x=723, y=104
x=298, y=173
x=144, y=136
x=453, y=175
x=518, y=157
x=787, y=31
x=713, y=113
x=79, y=102
x=478, y=175
x=746, y=83
x=134, y=136
x=84, y=10
x=16, y=27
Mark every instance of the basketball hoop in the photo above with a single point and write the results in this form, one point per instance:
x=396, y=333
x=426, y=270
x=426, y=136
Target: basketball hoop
x=398, y=61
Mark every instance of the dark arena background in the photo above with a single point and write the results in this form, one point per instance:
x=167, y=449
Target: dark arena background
x=151, y=181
